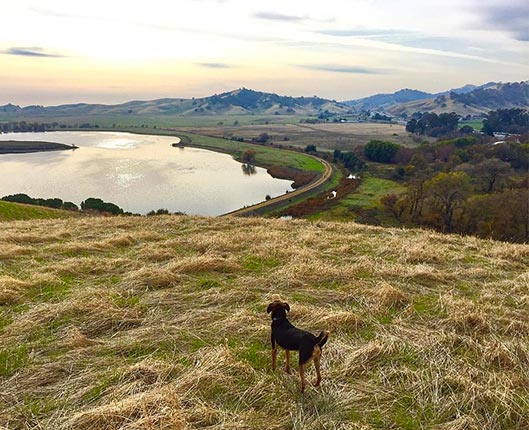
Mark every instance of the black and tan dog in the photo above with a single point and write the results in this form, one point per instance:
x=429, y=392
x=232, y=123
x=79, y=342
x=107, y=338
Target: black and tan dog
x=290, y=338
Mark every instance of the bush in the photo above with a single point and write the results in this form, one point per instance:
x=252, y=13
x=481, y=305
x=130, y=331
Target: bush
x=158, y=212
x=382, y=152
x=100, y=206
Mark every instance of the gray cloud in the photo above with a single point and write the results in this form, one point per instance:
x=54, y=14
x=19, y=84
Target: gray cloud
x=511, y=17
x=31, y=52
x=345, y=69
x=273, y=16
x=215, y=65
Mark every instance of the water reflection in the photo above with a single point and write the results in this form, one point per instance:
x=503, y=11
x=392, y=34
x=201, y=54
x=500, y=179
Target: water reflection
x=138, y=173
x=248, y=169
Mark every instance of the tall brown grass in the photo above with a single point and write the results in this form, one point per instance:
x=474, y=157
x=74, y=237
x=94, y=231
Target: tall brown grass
x=160, y=323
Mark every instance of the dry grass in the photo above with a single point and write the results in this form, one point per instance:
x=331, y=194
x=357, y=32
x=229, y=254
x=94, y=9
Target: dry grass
x=344, y=136
x=160, y=323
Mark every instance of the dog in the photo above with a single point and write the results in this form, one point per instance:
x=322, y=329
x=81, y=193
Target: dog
x=290, y=338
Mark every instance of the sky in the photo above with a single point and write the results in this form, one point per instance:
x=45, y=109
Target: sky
x=110, y=51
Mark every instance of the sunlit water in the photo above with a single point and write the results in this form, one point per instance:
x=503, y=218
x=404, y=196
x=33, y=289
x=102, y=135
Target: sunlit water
x=139, y=173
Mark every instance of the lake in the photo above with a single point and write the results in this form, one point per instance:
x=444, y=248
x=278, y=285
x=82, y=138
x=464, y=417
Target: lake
x=137, y=172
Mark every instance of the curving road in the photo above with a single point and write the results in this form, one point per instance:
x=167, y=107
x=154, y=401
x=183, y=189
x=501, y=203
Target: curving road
x=302, y=190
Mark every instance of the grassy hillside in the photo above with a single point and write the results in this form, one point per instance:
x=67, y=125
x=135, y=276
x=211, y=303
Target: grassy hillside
x=16, y=211
x=238, y=102
x=160, y=323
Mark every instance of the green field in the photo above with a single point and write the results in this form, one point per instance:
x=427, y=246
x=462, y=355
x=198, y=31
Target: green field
x=123, y=121
x=16, y=211
x=476, y=124
x=367, y=196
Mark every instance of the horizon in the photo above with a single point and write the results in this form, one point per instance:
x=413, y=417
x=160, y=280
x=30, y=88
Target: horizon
x=226, y=92
x=340, y=51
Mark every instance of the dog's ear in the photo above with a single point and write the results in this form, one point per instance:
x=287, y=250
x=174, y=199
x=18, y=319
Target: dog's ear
x=269, y=308
x=286, y=306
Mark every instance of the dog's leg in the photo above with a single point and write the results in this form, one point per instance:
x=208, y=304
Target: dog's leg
x=287, y=367
x=316, y=356
x=274, y=358
x=302, y=376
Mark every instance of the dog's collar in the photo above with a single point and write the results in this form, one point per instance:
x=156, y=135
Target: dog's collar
x=278, y=319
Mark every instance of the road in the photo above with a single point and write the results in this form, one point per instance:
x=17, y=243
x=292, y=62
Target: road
x=298, y=192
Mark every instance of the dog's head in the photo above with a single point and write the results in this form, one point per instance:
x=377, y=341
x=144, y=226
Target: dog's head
x=279, y=309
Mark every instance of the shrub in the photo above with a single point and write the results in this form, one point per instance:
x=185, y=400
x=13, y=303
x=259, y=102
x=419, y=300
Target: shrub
x=382, y=152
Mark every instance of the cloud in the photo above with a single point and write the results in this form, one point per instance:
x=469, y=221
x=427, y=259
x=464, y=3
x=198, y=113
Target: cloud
x=215, y=65
x=345, y=69
x=511, y=17
x=273, y=16
x=31, y=52
x=367, y=33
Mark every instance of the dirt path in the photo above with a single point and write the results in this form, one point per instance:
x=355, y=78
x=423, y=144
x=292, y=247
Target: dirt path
x=300, y=191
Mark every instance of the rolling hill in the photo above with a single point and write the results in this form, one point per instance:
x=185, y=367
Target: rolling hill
x=237, y=102
x=480, y=100
x=469, y=99
x=15, y=211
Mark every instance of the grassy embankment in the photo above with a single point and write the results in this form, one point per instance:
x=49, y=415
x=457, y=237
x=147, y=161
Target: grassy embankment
x=160, y=323
x=367, y=196
x=16, y=211
x=131, y=120
x=14, y=146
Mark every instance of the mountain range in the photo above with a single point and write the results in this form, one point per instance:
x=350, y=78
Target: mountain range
x=467, y=100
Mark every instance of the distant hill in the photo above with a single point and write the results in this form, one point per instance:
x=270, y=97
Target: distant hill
x=381, y=101
x=387, y=102
x=482, y=99
x=237, y=102
x=468, y=99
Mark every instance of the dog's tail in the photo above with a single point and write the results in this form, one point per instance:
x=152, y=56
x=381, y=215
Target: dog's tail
x=322, y=338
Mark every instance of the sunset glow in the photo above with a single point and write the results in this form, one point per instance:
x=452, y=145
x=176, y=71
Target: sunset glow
x=59, y=51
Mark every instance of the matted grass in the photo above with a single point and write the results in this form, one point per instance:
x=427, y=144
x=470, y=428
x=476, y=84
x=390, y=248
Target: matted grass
x=160, y=323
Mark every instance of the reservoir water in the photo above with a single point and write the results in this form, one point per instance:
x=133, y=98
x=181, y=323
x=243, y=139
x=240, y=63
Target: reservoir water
x=139, y=173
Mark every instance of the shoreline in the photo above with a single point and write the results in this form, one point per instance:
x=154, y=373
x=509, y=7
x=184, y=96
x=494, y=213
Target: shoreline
x=26, y=147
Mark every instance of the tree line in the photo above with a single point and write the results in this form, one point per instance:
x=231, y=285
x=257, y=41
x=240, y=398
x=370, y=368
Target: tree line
x=91, y=204
x=465, y=185
x=514, y=121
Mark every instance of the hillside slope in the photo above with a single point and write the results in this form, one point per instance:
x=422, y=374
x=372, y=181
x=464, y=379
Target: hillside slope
x=237, y=102
x=160, y=323
x=382, y=102
x=16, y=211
x=481, y=100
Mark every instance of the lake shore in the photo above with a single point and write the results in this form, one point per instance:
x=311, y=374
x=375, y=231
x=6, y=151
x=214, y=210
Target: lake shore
x=21, y=147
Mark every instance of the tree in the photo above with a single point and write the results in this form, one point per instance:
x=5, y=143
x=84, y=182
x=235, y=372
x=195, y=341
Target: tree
x=506, y=120
x=100, y=206
x=447, y=192
x=491, y=172
x=248, y=156
x=395, y=204
x=263, y=138
x=432, y=124
x=310, y=148
x=382, y=152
